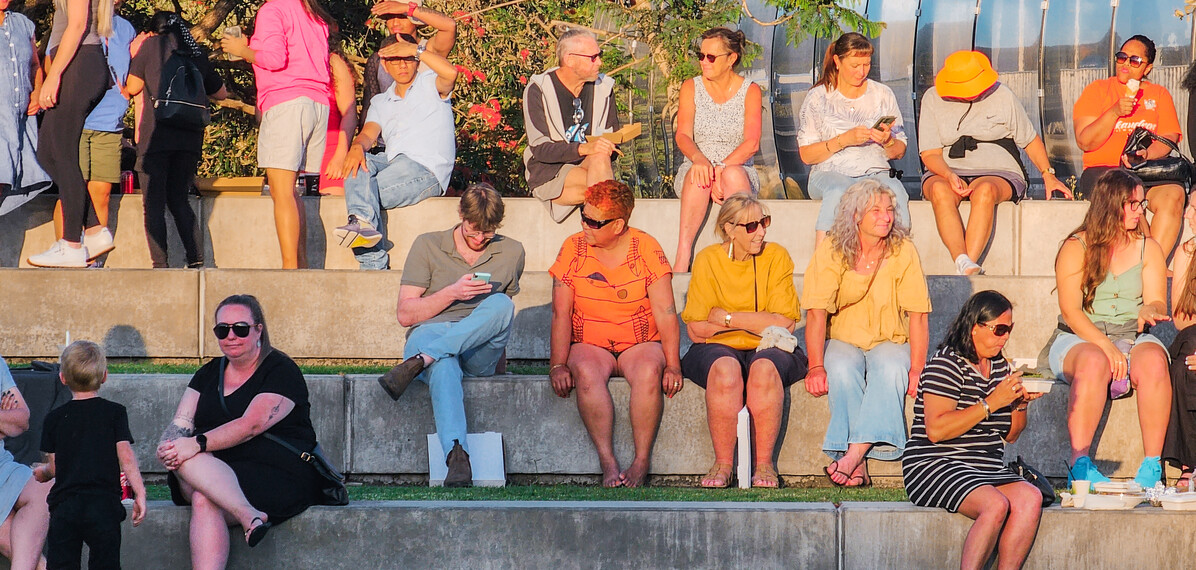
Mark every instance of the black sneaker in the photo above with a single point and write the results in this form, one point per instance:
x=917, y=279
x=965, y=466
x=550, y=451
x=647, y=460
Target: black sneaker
x=396, y=380
x=460, y=474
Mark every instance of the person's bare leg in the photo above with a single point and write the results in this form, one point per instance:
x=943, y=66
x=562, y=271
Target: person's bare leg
x=1021, y=525
x=987, y=192
x=591, y=368
x=989, y=508
x=945, y=203
x=765, y=397
x=216, y=481
x=208, y=534
x=854, y=464
x=1088, y=369
x=643, y=367
x=598, y=168
x=287, y=215
x=1150, y=374
x=1166, y=203
x=735, y=180
x=30, y=521
x=101, y=194
x=724, y=399
x=695, y=201
x=574, y=190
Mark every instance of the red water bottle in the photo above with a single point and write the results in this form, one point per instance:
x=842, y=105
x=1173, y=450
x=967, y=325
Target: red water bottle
x=126, y=490
x=126, y=182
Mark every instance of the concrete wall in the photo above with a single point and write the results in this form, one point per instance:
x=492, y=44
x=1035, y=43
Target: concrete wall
x=368, y=434
x=239, y=232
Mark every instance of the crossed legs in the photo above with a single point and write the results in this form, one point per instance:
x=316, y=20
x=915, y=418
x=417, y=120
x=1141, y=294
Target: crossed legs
x=593, y=169
x=216, y=502
x=1166, y=205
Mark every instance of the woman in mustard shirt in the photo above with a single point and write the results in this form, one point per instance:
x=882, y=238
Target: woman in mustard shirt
x=865, y=281
x=739, y=288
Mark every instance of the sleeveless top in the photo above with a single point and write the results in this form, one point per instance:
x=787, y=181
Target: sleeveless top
x=718, y=129
x=1118, y=298
x=58, y=27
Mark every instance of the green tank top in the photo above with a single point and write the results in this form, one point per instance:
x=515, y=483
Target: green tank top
x=1119, y=297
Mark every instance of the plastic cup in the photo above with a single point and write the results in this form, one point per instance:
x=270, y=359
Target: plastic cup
x=1079, y=490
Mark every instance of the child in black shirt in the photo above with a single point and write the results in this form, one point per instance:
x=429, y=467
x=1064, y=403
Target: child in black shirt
x=87, y=444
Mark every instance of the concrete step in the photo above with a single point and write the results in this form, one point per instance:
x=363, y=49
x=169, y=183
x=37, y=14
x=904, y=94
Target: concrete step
x=576, y=535
x=239, y=232
x=350, y=314
x=368, y=434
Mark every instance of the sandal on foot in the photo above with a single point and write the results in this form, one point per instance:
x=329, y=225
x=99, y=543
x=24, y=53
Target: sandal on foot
x=1185, y=476
x=766, y=477
x=255, y=534
x=864, y=481
x=720, y=473
x=832, y=469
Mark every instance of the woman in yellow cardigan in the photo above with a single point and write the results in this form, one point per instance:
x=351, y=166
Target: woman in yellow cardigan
x=738, y=289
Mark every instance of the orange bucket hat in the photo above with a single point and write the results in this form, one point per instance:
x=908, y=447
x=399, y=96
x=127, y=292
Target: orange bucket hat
x=965, y=75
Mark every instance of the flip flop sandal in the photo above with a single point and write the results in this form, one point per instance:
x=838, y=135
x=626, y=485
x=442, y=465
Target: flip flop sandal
x=255, y=534
x=766, y=477
x=721, y=473
x=832, y=469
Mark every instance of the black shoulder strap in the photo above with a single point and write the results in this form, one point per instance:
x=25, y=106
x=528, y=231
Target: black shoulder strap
x=224, y=406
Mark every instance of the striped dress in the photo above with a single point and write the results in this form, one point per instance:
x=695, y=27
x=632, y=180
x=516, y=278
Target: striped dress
x=942, y=474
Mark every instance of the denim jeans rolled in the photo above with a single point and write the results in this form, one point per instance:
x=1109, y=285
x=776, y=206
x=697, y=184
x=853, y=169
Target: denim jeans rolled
x=867, y=398
x=468, y=347
x=830, y=186
x=389, y=184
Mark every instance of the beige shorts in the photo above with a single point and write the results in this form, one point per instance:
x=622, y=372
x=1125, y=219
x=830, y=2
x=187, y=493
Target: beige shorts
x=99, y=156
x=292, y=135
x=551, y=190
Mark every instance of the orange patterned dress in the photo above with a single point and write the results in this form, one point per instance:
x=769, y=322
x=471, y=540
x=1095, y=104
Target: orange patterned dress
x=610, y=304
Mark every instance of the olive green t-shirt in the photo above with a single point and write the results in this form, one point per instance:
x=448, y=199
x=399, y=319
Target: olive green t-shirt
x=434, y=263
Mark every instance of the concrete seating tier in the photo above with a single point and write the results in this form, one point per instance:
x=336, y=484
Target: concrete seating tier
x=370, y=435
x=575, y=535
x=239, y=232
x=348, y=314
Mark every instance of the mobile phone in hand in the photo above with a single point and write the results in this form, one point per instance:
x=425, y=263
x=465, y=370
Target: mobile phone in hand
x=481, y=277
x=886, y=120
x=233, y=32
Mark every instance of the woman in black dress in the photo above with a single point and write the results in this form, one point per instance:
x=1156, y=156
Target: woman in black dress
x=969, y=404
x=220, y=463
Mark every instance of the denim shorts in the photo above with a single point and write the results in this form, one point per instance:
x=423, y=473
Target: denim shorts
x=1067, y=341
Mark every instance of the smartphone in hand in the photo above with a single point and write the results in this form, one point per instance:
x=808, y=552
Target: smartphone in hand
x=233, y=32
x=886, y=120
x=481, y=277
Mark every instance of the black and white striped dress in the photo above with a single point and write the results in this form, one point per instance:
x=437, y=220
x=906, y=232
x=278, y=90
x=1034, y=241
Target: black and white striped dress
x=942, y=474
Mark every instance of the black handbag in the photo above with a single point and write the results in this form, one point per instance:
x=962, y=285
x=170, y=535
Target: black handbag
x=1036, y=478
x=332, y=489
x=1172, y=168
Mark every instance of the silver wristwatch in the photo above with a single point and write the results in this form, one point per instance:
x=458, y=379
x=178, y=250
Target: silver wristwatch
x=419, y=51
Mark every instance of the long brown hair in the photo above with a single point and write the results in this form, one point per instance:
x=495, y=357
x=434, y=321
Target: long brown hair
x=849, y=44
x=1186, y=304
x=1104, y=228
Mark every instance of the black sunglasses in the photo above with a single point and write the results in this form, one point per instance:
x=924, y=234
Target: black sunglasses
x=1138, y=204
x=595, y=224
x=593, y=57
x=1000, y=329
x=240, y=328
x=409, y=58
x=751, y=227
x=1135, y=60
x=710, y=57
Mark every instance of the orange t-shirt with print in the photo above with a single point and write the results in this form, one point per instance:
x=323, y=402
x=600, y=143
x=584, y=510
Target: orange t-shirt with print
x=610, y=304
x=1154, y=111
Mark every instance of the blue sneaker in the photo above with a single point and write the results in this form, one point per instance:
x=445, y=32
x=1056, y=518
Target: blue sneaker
x=1084, y=470
x=1149, y=473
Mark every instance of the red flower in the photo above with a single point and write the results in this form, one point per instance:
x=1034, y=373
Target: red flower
x=523, y=79
x=461, y=15
x=523, y=53
x=480, y=31
x=494, y=104
x=481, y=77
x=462, y=70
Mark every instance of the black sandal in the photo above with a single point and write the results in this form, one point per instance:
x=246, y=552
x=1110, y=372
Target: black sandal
x=255, y=534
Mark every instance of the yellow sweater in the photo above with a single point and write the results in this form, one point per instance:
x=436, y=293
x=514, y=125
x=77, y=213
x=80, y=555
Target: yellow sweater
x=764, y=283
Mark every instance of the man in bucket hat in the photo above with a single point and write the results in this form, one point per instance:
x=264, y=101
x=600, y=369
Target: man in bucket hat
x=970, y=133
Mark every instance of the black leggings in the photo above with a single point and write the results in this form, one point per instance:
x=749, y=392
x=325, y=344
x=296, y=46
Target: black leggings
x=165, y=179
x=83, y=85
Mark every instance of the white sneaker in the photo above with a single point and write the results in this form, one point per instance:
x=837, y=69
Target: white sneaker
x=98, y=244
x=60, y=255
x=965, y=266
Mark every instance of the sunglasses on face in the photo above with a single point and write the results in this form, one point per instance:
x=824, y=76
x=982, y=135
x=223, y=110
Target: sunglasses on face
x=1137, y=204
x=593, y=57
x=386, y=17
x=595, y=224
x=710, y=57
x=1135, y=60
x=999, y=329
x=405, y=58
x=240, y=328
x=751, y=227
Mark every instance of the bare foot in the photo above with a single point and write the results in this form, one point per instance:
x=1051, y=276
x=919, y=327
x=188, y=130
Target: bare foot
x=859, y=476
x=843, y=471
x=611, y=477
x=635, y=474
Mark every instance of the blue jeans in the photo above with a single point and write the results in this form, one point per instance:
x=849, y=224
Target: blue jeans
x=394, y=184
x=470, y=346
x=830, y=187
x=867, y=398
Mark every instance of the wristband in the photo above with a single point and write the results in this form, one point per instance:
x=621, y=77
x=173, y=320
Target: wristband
x=555, y=366
x=987, y=410
x=727, y=320
x=811, y=369
x=202, y=440
x=411, y=6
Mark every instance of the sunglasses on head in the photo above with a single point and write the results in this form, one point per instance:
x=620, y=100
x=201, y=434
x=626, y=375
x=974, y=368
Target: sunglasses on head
x=999, y=329
x=751, y=227
x=1135, y=60
x=240, y=328
x=595, y=224
x=710, y=57
x=593, y=57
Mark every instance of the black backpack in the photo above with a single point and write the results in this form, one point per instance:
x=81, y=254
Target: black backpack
x=182, y=101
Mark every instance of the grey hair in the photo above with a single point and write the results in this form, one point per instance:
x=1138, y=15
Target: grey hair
x=845, y=232
x=569, y=37
x=732, y=212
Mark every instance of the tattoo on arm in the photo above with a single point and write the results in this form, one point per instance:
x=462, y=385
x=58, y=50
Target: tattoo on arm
x=175, y=431
x=274, y=412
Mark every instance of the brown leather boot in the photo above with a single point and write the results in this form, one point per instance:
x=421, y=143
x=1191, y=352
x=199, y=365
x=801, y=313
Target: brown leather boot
x=460, y=474
x=396, y=380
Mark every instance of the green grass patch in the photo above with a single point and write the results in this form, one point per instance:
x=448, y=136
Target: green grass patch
x=579, y=493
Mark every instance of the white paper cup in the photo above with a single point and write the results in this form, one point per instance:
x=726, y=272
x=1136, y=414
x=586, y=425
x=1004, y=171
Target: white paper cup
x=1079, y=488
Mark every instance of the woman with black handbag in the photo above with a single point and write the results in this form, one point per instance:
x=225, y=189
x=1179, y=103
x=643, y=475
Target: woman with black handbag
x=222, y=448
x=969, y=404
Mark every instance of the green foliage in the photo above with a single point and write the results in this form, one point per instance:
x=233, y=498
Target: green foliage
x=823, y=18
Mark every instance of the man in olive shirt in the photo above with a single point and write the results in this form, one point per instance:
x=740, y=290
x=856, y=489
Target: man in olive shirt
x=455, y=299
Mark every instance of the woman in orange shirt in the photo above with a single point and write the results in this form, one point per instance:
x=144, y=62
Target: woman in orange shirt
x=1109, y=110
x=613, y=313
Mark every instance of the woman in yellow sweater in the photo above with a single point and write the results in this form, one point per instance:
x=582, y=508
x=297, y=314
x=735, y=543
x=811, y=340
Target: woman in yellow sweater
x=738, y=289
